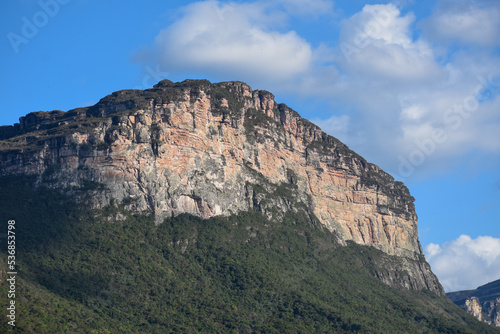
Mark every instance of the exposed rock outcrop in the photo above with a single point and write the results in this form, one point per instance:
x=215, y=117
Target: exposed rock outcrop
x=474, y=307
x=217, y=149
x=483, y=303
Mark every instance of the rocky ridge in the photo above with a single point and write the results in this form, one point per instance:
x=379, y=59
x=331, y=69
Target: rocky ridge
x=218, y=149
x=483, y=303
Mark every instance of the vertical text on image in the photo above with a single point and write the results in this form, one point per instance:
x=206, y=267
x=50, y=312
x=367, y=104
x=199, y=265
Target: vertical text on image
x=11, y=273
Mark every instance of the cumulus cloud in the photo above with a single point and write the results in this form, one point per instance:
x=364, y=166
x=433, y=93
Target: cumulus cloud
x=469, y=22
x=379, y=62
x=465, y=263
x=415, y=114
x=229, y=40
x=449, y=118
x=377, y=42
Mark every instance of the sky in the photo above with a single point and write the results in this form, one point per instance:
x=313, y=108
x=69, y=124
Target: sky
x=412, y=86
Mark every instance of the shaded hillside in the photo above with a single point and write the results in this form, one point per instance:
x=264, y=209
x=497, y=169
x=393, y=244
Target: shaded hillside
x=114, y=271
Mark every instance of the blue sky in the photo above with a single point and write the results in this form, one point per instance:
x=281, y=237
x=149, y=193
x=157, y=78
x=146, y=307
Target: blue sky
x=412, y=86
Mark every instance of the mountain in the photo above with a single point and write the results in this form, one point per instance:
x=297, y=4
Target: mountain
x=209, y=207
x=217, y=149
x=483, y=302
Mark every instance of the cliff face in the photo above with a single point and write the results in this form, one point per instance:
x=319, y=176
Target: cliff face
x=216, y=149
x=483, y=303
x=487, y=311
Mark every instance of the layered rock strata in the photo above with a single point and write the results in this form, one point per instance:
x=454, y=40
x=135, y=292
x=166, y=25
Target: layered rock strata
x=215, y=149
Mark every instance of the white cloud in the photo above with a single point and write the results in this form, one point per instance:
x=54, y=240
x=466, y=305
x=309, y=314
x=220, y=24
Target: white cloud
x=378, y=62
x=451, y=117
x=465, y=263
x=415, y=115
x=378, y=42
x=233, y=41
x=470, y=23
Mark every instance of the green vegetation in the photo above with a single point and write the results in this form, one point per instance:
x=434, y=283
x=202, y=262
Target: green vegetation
x=112, y=271
x=259, y=127
x=235, y=103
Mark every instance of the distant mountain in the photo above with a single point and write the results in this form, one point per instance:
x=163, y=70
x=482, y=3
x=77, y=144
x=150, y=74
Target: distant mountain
x=483, y=302
x=208, y=207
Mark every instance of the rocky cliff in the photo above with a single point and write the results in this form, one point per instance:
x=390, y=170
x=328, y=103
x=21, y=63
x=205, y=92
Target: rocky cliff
x=483, y=303
x=218, y=149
